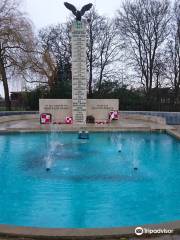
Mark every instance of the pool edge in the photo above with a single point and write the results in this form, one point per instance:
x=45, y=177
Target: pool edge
x=83, y=233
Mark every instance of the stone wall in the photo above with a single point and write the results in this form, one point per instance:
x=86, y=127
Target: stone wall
x=60, y=108
x=172, y=118
x=100, y=108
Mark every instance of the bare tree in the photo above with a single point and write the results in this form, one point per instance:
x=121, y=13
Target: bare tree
x=173, y=52
x=108, y=53
x=93, y=30
x=42, y=67
x=159, y=71
x=15, y=42
x=143, y=26
x=102, y=49
x=51, y=58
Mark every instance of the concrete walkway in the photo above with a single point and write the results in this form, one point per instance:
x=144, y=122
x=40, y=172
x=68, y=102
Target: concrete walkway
x=177, y=127
x=163, y=237
x=126, y=124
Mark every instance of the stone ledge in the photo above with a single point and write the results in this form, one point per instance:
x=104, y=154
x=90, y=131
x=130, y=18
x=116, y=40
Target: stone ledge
x=83, y=233
x=10, y=118
x=149, y=118
x=153, y=119
x=91, y=130
x=173, y=133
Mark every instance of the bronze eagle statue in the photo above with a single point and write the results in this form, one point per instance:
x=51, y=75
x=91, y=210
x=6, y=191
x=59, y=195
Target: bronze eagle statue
x=76, y=12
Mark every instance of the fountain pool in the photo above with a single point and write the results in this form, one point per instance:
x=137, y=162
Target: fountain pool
x=90, y=184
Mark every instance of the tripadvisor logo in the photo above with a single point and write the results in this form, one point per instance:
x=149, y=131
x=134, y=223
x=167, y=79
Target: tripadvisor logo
x=140, y=231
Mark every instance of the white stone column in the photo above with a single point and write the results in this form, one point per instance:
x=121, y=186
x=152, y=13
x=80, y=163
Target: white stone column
x=79, y=72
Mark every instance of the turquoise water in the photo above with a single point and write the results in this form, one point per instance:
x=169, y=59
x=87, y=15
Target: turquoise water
x=91, y=183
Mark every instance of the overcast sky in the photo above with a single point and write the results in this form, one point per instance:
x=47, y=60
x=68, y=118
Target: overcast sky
x=45, y=12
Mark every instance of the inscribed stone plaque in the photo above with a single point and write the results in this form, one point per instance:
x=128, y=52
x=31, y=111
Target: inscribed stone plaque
x=79, y=73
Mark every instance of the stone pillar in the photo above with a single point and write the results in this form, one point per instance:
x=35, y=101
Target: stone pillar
x=79, y=72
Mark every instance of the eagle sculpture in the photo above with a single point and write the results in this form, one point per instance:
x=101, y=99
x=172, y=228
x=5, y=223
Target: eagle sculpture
x=76, y=12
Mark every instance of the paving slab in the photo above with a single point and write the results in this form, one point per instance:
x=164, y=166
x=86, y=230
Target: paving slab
x=33, y=124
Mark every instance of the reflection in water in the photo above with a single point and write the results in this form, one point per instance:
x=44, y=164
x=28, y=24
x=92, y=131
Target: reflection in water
x=66, y=175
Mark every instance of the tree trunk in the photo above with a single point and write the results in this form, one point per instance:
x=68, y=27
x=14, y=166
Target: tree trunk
x=100, y=80
x=5, y=85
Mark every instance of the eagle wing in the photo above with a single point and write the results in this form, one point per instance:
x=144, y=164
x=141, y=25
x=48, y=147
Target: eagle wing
x=70, y=7
x=85, y=8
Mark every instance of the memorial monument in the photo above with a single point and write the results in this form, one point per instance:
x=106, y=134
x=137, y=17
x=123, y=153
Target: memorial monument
x=79, y=107
x=79, y=71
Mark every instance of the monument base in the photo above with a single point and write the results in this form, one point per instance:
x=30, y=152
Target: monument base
x=62, y=108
